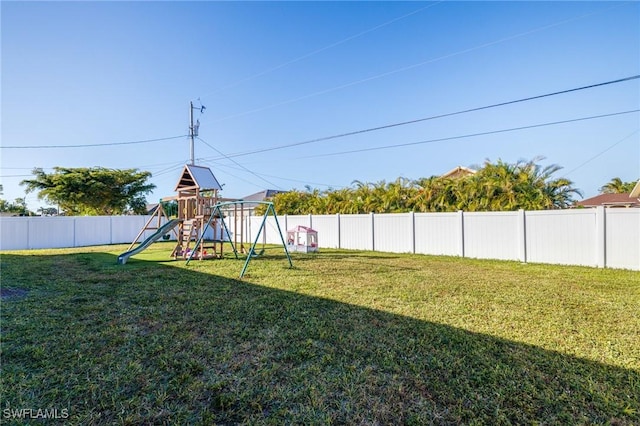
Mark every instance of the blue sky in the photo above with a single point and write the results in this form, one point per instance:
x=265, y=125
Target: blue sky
x=275, y=74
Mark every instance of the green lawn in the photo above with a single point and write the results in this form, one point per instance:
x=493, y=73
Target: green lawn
x=342, y=338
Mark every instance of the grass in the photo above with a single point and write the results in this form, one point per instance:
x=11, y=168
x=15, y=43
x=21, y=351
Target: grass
x=342, y=338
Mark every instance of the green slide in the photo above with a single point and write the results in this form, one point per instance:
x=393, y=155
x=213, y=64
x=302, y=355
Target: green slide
x=122, y=259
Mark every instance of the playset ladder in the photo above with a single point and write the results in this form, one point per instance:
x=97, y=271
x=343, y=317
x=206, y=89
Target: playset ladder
x=188, y=233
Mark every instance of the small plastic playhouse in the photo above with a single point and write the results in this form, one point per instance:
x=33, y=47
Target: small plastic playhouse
x=302, y=239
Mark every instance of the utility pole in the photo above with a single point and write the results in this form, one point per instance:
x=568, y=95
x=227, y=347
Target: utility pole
x=193, y=129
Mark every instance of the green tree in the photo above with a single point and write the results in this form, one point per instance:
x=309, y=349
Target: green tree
x=92, y=191
x=496, y=186
x=503, y=186
x=617, y=186
x=48, y=211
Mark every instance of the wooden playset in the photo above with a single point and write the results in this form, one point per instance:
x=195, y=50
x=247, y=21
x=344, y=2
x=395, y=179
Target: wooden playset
x=197, y=194
x=199, y=228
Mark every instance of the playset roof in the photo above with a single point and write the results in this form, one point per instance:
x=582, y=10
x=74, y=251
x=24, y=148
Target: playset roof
x=198, y=177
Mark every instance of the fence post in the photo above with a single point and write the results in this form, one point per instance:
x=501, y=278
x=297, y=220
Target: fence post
x=601, y=237
x=522, y=236
x=28, y=236
x=286, y=223
x=339, y=242
x=461, y=229
x=373, y=234
x=248, y=228
x=413, y=232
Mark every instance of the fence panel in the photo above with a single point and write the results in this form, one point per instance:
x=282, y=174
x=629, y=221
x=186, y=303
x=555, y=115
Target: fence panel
x=14, y=233
x=491, y=235
x=92, y=231
x=591, y=237
x=393, y=232
x=356, y=232
x=289, y=222
x=125, y=228
x=270, y=234
x=51, y=232
x=328, y=227
x=623, y=238
x=566, y=237
x=438, y=234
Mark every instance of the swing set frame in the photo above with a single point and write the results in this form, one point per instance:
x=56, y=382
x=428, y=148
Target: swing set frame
x=252, y=252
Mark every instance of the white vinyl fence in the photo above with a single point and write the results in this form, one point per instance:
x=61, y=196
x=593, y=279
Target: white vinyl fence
x=591, y=237
x=25, y=233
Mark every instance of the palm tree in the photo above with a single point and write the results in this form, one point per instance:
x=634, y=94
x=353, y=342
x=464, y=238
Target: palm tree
x=426, y=190
x=617, y=186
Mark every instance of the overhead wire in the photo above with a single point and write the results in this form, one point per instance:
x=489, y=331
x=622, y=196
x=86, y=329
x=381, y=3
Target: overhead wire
x=433, y=117
x=219, y=166
x=493, y=132
x=601, y=152
x=408, y=67
x=282, y=178
x=236, y=163
x=92, y=144
x=322, y=49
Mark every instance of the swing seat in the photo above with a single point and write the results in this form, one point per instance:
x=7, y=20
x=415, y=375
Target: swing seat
x=260, y=253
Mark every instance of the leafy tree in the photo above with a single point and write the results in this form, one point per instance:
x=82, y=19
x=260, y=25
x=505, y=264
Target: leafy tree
x=92, y=191
x=617, y=186
x=48, y=211
x=502, y=186
x=495, y=186
x=18, y=207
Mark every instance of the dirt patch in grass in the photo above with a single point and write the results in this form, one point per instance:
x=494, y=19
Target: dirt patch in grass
x=13, y=293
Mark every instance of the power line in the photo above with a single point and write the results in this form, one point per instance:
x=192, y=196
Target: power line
x=434, y=117
x=281, y=178
x=601, y=152
x=238, y=164
x=493, y=132
x=91, y=145
x=322, y=49
x=408, y=67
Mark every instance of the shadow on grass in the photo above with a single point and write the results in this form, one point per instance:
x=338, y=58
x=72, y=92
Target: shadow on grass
x=151, y=343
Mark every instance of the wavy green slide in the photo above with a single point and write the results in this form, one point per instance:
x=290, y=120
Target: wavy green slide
x=122, y=259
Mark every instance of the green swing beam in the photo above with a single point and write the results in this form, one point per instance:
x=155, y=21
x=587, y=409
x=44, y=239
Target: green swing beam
x=252, y=252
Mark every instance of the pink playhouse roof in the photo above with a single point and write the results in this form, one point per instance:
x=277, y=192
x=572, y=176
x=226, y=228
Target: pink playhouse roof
x=303, y=229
